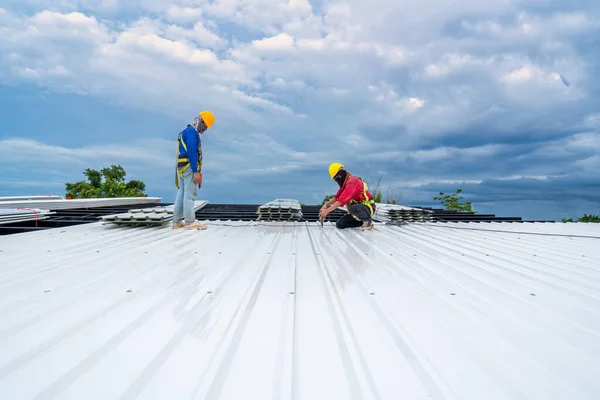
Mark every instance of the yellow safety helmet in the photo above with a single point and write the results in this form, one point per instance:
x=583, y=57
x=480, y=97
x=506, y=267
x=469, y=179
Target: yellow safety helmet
x=208, y=118
x=334, y=169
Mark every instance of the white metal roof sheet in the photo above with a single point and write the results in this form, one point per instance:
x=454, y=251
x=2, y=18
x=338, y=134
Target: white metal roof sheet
x=296, y=311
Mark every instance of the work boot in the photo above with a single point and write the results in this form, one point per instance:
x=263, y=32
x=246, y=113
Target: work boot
x=367, y=225
x=196, y=225
x=178, y=225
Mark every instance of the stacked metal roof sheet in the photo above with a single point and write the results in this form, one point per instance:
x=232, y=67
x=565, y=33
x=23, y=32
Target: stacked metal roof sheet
x=147, y=216
x=398, y=214
x=14, y=215
x=280, y=210
x=35, y=197
x=62, y=204
x=161, y=209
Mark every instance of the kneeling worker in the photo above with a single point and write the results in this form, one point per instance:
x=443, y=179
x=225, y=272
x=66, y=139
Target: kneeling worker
x=354, y=194
x=188, y=176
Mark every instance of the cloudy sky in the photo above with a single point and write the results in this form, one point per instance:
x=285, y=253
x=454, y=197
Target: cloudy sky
x=498, y=98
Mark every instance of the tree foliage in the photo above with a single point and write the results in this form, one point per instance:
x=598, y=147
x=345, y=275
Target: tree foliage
x=585, y=218
x=113, y=185
x=453, y=202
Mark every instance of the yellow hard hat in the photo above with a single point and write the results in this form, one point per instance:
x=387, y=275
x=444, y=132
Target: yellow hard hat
x=208, y=118
x=334, y=168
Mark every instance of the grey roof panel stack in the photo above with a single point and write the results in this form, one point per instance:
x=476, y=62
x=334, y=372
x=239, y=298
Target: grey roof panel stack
x=280, y=210
x=62, y=204
x=10, y=215
x=162, y=209
x=36, y=197
x=398, y=214
x=147, y=216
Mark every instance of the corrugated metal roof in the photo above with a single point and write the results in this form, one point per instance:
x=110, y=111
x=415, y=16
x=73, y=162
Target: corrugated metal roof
x=248, y=310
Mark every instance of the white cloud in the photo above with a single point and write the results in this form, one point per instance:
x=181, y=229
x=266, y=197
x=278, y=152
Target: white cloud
x=414, y=103
x=173, y=49
x=57, y=20
x=183, y=14
x=281, y=42
x=300, y=6
x=528, y=73
x=388, y=98
x=261, y=102
x=264, y=15
x=199, y=34
x=138, y=65
x=151, y=152
x=438, y=154
x=452, y=62
x=525, y=26
x=536, y=177
x=282, y=84
x=312, y=44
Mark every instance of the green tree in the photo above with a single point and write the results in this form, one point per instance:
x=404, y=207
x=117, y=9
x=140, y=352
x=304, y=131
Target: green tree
x=589, y=218
x=114, y=184
x=586, y=218
x=452, y=202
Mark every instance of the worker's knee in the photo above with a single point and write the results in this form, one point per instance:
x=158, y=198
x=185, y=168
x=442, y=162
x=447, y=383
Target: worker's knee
x=356, y=208
x=347, y=221
x=361, y=211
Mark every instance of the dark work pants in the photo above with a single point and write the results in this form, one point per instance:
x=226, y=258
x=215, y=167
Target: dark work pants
x=348, y=221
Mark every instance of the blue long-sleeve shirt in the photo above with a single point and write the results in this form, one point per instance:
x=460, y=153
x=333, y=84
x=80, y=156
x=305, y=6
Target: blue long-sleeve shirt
x=191, y=138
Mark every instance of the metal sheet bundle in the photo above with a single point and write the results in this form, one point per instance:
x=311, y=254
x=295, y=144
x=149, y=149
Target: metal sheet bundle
x=35, y=197
x=280, y=210
x=162, y=209
x=62, y=204
x=147, y=216
x=15, y=215
x=397, y=214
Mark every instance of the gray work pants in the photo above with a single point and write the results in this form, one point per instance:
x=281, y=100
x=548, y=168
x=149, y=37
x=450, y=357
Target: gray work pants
x=361, y=212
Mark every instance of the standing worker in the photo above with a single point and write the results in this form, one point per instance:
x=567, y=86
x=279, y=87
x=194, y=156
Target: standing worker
x=189, y=171
x=353, y=194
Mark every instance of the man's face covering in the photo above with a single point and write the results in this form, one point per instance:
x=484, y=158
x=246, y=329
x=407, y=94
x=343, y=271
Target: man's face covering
x=340, y=178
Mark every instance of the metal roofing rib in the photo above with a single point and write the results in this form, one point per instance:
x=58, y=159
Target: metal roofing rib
x=250, y=310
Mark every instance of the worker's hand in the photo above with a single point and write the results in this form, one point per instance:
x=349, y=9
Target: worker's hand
x=323, y=213
x=198, y=178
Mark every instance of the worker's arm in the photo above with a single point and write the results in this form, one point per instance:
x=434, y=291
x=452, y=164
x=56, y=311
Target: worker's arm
x=329, y=202
x=200, y=158
x=330, y=207
x=191, y=141
x=198, y=175
x=335, y=205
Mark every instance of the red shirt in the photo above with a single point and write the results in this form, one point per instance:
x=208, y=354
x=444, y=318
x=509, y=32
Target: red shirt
x=352, y=190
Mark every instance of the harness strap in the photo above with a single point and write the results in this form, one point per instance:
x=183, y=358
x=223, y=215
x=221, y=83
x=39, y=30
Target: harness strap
x=367, y=202
x=183, y=162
